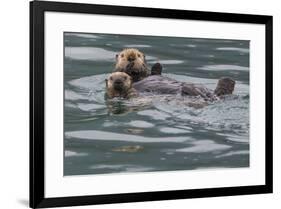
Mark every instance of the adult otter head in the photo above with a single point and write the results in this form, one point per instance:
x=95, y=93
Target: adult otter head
x=119, y=84
x=132, y=62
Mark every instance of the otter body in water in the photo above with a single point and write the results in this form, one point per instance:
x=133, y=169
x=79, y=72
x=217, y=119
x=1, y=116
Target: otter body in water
x=163, y=85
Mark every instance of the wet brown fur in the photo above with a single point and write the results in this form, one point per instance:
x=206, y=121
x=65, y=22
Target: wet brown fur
x=119, y=84
x=132, y=62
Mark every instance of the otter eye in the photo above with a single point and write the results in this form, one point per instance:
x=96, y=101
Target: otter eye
x=139, y=55
x=122, y=55
x=125, y=77
x=110, y=78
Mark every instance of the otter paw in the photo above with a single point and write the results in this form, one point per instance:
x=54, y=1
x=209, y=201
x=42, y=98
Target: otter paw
x=156, y=69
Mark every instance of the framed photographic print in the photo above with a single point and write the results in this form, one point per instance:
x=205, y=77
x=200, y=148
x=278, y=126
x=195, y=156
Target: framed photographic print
x=133, y=104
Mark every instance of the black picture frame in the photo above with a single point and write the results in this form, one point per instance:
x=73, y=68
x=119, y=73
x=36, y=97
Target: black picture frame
x=37, y=169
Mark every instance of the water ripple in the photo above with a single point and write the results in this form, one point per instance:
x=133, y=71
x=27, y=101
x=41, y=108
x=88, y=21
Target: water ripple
x=137, y=46
x=243, y=50
x=110, y=136
x=83, y=35
x=224, y=67
x=204, y=146
x=89, y=53
x=231, y=153
x=168, y=62
x=170, y=130
x=68, y=153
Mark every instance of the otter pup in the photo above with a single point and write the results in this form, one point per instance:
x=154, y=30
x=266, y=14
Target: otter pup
x=119, y=84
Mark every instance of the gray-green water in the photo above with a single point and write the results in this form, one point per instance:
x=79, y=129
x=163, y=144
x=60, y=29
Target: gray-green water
x=164, y=134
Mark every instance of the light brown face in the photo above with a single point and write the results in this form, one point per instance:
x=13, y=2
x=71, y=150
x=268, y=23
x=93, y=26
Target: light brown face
x=128, y=56
x=118, y=82
x=132, y=61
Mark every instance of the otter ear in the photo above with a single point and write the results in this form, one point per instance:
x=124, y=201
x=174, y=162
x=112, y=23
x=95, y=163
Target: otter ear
x=106, y=81
x=143, y=57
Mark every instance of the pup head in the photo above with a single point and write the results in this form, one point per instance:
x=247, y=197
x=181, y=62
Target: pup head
x=118, y=84
x=132, y=62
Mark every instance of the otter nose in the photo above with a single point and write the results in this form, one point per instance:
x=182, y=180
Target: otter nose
x=131, y=58
x=118, y=85
x=118, y=81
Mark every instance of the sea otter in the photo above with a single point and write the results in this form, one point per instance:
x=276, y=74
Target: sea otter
x=119, y=84
x=132, y=62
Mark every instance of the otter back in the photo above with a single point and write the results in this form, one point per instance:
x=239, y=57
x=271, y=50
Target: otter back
x=164, y=85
